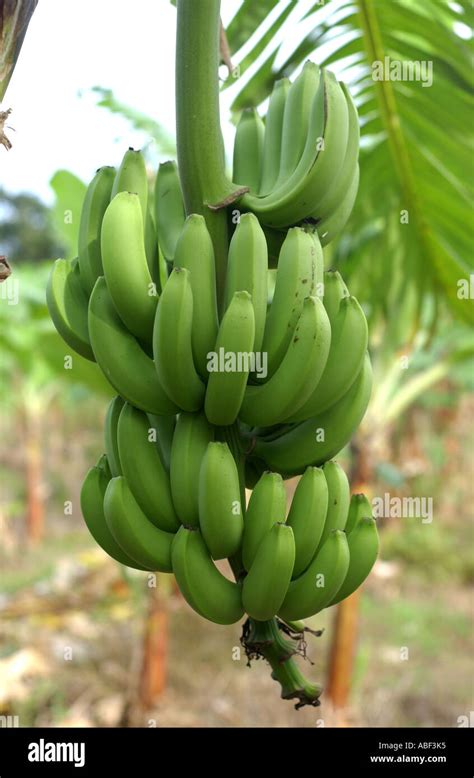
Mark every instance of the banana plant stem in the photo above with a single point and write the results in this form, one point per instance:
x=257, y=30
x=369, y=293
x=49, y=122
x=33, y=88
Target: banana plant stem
x=201, y=158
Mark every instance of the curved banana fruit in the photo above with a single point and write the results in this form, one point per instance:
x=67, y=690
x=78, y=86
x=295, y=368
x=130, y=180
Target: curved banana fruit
x=233, y=349
x=122, y=360
x=248, y=150
x=195, y=252
x=138, y=537
x=266, y=584
x=164, y=427
x=339, y=496
x=350, y=338
x=172, y=343
x=132, y=177
x=220, y=509
x=359, y=508
x=363, y=544
x=318, y=586
x=112, y=416
x=267, y=506
x=191, y=437
x=67, y=305
x=202, y=585
x=334, y=291
x=307, y=516
x=332, y=226
x=129, y=282
x=296, y=120
x=169, y=208
x=92, y=506
x=273, y=136
x=247, y=270
x=317, y=440
x=143, y=469
x=299, y=373
x=95, y=203
x=295, y=280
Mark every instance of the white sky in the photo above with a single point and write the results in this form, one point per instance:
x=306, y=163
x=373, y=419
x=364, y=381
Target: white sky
x=71, y=46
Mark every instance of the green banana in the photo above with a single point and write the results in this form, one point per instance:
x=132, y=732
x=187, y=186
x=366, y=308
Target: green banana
x=330, y=227
x=92, y=506
x=307, y=516
x=334, y=291
x=95, y=203
x=132, y=177
x=273, y=136
x=194, y=251
x=122, y=360
x=296, y=120
x=112, y=416
x=267, y=506
x=164, y=427
x=191, y=437
x=220, y=509
x=320, y=164
x=67, y=305
x=319, y=584
x=298, y=374
x=126, y=270
x=248, y=150
x=295, y=281
x=234, y=347
x=363, y=544
x=138, y=537
x=143, y=469
x=152, y=250
x=247, y=270
x=203, y=586
x=169, y=208
x=349, y=341
x=316, y=440
x=172, y=338
x=266, y=584
x=359, y=508
x=339, y=496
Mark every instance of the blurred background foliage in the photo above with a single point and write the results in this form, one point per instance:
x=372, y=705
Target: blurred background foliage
x=416, y=156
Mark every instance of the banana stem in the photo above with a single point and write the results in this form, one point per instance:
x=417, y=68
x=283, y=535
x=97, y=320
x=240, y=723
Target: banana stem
x=201, y=157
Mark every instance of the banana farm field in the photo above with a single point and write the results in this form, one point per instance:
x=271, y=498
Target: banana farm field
x=237, y=363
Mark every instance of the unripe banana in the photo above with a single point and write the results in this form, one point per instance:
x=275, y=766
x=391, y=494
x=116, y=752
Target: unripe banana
x=152, y=250
x=110, y=435
x=349, y=343
x=92, y=506
x=122, y=360
x=194, y=251
x=138, y=537
x=294, y=282
x=307, y=516
x=169, y=208
x=359, y=508
x=143, y=469
x=164, y=427
x=332, y=226
x=247, y=270
x=67, y=305
x=132, y=177
x=266, y=584
x=203, y=586
x=129, y=282
x=296, y=120
x=220, y=509
x=298, y=374
x=234, y=347
x=334, y=291
x=339, y=496
x=363, y=544
x=267, y=506
x=190, y=440
x=248, y=150
x=317, y=440
x=172, y=343
x=317, y=587
x=273, y=135
x=95, y=203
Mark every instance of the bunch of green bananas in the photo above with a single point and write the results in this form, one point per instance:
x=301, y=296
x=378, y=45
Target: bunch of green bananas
x=170, y=500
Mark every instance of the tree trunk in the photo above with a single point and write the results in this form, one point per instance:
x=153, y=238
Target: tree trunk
x=15, y=16
x=155, y=649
